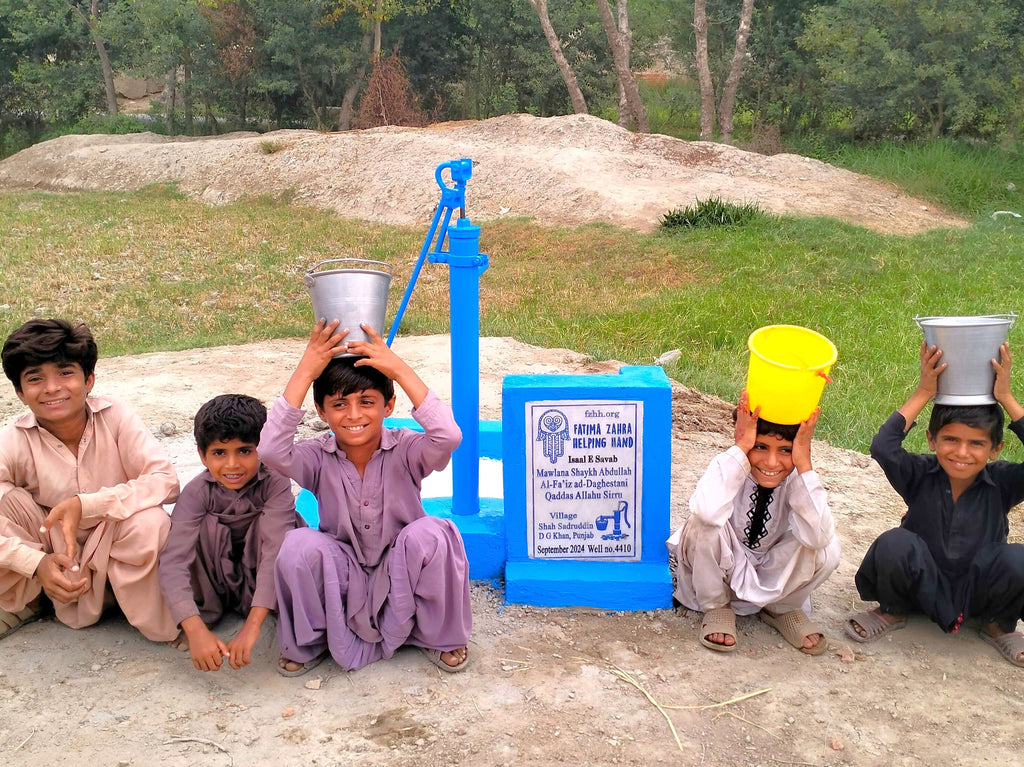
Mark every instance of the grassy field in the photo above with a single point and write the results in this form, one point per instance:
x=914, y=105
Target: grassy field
x=155, y=271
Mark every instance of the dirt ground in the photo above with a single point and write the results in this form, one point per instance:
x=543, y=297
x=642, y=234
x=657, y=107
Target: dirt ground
x=543, y=686
x=569, y=170
x=546, y=685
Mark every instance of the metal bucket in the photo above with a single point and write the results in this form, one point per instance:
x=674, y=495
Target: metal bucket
x=967, y=344
x=357, y=293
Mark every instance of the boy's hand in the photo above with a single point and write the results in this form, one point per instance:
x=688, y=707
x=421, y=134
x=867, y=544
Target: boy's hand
x=325, y=341
x=52, y=572
x=205, y=647
x=1001, y=389
x=69, y=513
x=745, y=430
x=802, y=443
x=379, y=355
x=931, y=357
x=240, y=648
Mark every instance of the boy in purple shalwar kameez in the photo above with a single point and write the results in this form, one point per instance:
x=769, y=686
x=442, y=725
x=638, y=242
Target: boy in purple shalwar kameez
x=378, y=573
x=226, y=530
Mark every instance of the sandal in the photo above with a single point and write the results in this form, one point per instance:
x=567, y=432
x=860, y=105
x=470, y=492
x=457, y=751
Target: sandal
x=434, y=656
x=1010, y=645
x=721, y=620
x=795, y=626
x=874, y=625
x=11, y=622
x=309, y=665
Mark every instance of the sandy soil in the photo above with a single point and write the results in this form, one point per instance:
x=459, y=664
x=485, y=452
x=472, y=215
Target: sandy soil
x=543, y=687
x=570, y=170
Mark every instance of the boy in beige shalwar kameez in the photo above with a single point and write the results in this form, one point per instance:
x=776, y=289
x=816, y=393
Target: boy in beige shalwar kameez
x=82, y=483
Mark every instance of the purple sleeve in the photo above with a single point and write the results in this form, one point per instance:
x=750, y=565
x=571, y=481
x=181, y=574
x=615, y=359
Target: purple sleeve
x=277, y=519
x=441, y=435
x=279, y=451
x=180, y=552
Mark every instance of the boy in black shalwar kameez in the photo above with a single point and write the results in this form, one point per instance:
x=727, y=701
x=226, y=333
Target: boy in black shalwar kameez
x=949, y=558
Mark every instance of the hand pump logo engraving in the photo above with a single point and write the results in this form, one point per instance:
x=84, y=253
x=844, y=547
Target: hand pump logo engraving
x=553, y=432
x=617, y=517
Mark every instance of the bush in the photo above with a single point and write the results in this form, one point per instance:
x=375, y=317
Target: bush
x=103, y=123
x=710, y=213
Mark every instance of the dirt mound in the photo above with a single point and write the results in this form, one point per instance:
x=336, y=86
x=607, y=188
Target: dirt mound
x=567, y=170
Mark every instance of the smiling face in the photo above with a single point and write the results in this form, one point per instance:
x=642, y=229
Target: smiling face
x=55, y=392
x=357, y=418
x=232, y=462
x=963, y=451
x=771, y=460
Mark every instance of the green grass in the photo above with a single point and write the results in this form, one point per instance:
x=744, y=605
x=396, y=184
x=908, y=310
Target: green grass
x=155, y=271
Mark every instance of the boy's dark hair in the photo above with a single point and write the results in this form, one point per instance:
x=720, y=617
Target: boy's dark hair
x=986, y=417
x=342, y=377
x=40, y=341
x=786, y=431
x=227, y=417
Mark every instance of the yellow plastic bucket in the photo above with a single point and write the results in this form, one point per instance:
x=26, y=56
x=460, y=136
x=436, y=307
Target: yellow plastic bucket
x=789, y=367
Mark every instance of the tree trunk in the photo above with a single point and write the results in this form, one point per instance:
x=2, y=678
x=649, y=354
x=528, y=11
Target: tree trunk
x=186, y=93
x=732, y=82
x=620, y=55
x=348, y=102
x=622, y=12
x=707, y=89
x=579, y=104
x=171, y=97
x=90, y=20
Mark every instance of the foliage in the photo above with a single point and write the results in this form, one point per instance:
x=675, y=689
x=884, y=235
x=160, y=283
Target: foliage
x=917, y=67
x=709, y=213
x=388, y=98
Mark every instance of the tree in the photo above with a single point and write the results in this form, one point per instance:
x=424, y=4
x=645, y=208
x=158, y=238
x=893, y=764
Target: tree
x=579, y=104
x=727, y=101
x=89, y=13
x=923, y=66
x=619, y=44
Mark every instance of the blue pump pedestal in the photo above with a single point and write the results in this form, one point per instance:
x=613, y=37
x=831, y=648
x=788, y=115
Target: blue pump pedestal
x=587, y=479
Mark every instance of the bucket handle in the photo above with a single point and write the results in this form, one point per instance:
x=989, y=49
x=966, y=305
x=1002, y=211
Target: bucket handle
x=309, y=272
x=1011, y=316
x=826, y=376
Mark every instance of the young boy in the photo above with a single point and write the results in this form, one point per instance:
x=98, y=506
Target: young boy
x=949, y=558
x=83, y=481
x=226, y=530
x=378, y=573
x=759, y=538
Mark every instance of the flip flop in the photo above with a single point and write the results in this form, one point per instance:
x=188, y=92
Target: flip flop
x=434, y=656
x=873, y=624
x=721, y=620
x=11, y=622
x=1010, y=645
x=309, y=665
x=795, y=626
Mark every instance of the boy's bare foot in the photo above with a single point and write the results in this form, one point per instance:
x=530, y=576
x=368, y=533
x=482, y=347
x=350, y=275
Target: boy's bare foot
x=447, y=660
x=455, y=657
x=180, y=642
x=287, y=667
x=1010, y=644
x=871, y=625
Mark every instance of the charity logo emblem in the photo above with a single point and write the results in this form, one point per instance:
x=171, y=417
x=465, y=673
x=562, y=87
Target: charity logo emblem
x=553, y=433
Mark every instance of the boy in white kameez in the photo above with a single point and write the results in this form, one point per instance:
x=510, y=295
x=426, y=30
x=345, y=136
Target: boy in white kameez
x=759, y=538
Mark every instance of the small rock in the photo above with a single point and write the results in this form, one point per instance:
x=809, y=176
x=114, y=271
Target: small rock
x=96, y=667
x=313, y=684
x=288, y=713
x=168, y=429
x=835, y=744
x=317, y=425
x=845, y=654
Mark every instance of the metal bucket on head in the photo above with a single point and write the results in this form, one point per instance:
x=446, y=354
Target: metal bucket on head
x=353, y=294
x=967, y=344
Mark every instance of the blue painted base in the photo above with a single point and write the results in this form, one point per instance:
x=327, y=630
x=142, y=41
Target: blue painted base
x=483, y=534
x=626, y=586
